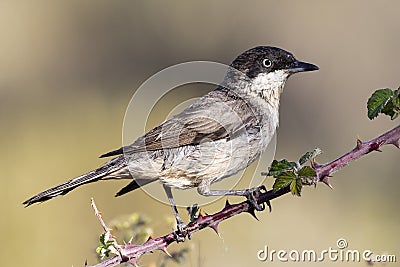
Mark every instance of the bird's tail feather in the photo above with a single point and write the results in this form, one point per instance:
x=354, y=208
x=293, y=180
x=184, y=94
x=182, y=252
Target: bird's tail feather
x=101, y=173
x=135, y=184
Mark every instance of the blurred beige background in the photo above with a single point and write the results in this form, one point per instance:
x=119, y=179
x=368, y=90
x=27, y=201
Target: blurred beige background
x=69, y=68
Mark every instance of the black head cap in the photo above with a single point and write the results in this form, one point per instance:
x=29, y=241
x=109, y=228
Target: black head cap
x=264, y=59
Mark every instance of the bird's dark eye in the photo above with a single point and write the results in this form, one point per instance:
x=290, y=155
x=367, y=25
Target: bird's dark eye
x=267, y=63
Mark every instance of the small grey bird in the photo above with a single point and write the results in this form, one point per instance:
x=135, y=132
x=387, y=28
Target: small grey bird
x=220, y=134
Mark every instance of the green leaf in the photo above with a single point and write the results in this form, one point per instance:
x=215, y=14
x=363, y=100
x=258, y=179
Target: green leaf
x=284, y=180
x=193, y=212
x=103, y=239
x=295, y=187
x=309, y=155
x=305, y=158
x=396, y=104
x=288, y=175
x=377, y=102
x=396, y=101
x=389, y=110
x=306, y=171
x=392, y=107
x=277, y=167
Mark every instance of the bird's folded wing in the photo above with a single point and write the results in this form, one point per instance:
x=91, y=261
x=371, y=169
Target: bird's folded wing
x=209, y=119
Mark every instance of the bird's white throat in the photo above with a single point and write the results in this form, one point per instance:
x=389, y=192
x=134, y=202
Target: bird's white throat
x=269, y=86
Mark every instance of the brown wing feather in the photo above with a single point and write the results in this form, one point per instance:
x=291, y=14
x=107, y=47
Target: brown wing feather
x=203, y=121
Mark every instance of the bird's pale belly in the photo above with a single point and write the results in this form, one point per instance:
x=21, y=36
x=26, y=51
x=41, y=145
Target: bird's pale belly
x=185, y=167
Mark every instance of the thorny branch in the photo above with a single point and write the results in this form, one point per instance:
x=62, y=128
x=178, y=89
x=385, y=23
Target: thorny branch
x=131, y=253
x=391, y=137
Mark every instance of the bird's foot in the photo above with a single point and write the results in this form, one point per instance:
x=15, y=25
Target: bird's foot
x=179, y=234
x=252, y=195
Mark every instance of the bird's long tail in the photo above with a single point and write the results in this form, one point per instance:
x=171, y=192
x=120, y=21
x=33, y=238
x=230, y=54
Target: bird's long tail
x=107, y=171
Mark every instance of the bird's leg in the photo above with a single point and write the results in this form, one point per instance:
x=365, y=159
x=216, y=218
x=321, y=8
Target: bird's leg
x=251, y=194
x=179, y=234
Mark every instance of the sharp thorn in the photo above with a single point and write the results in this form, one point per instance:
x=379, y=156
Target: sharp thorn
x=214, y=226
x=148, y=239
x=396, y=144
x=133, y=261
x=359, y=143
x=378, y=149
x=227, y=204
x=251, y=211
x=202, y=213
x=269, y=205
x=86, y=263
x=326, y=181
x=166, y=251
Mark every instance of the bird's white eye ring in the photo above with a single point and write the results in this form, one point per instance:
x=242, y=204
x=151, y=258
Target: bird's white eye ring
x=267, y=63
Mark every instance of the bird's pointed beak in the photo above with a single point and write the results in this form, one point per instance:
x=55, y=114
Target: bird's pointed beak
x=300, y=66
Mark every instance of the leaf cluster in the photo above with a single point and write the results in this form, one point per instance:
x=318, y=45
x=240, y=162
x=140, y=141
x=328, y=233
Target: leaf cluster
x=294, y=174
x=386, y=101
x=106, y=246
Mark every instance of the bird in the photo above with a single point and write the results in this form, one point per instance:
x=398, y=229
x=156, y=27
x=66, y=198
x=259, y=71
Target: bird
x=217, y=136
